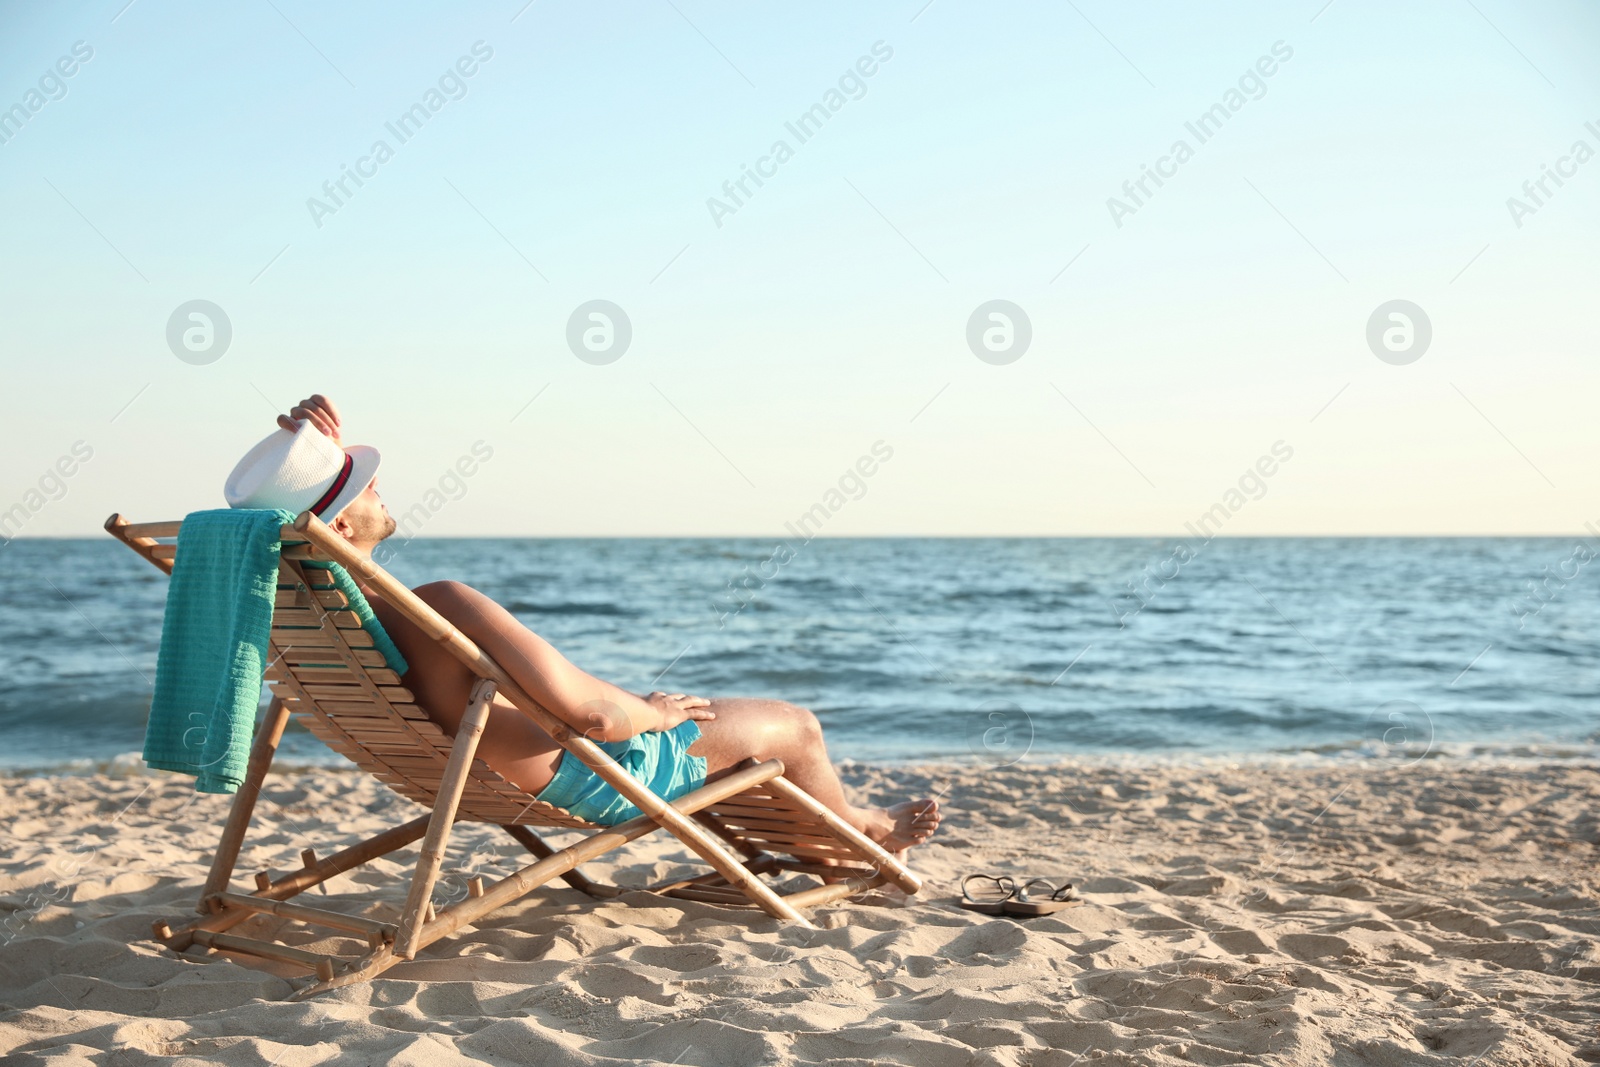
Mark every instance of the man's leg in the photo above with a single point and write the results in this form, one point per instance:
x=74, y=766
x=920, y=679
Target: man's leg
x=767, y=729
x=743, y=728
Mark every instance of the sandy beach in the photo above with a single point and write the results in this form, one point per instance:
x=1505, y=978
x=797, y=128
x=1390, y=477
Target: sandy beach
x=1263, y=912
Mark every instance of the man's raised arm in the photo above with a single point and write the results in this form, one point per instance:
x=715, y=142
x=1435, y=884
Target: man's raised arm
x=596, y=708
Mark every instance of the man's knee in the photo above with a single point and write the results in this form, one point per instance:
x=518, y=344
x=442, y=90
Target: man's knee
x=804, y=724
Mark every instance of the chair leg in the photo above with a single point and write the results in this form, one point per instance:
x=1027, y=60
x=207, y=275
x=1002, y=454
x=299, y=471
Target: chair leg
x=268, y=734
x=537, y=846
x=418, y=901
x=296, y=882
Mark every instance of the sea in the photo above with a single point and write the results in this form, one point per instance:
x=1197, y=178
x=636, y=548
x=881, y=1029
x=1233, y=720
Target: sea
x=929, y=649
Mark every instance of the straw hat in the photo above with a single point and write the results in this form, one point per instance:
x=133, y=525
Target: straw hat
x=301, y=471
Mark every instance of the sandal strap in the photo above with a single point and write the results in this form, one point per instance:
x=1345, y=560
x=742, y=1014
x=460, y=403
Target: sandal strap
x=1004, y=883
x=1062, y=892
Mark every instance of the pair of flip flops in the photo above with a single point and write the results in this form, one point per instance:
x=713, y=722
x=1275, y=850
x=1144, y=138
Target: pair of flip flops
x=1000, y=894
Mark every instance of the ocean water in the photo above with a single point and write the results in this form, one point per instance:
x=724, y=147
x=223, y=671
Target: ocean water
x=914, y=648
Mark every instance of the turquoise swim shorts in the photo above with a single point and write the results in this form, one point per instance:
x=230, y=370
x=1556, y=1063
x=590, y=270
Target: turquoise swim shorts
x=659, y=759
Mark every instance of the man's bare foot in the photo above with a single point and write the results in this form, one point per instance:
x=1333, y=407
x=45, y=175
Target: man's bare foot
x=908, y=823
x=895, y=828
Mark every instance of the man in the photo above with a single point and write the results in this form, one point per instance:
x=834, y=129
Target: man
x=673, y=742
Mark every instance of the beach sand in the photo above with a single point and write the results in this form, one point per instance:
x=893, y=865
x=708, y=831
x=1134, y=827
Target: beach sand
x=1274, y=913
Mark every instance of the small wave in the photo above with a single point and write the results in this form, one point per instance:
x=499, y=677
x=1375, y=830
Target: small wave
x=530, y=607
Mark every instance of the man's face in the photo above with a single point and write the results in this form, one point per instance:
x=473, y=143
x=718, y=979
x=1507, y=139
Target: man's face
x=365, y=520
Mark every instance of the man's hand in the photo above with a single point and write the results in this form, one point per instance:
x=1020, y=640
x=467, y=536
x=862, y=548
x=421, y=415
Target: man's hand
x=676, y=708
x=317, y=410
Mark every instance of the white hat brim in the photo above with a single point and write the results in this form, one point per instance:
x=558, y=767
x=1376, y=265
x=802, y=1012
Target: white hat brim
x=364, y=460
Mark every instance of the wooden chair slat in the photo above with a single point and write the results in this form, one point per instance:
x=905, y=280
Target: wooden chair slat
x=339, y=674
x=368, y=707
x=304, y=616
x=413, y=746
x=379, y=729
x=394, y=694
x=291, y=637
x=315, y=581
x=755, y=825
x=756, y=800
x=796, y=835
x=362, y=730
x=417, y=760
x=171, y=527
x=398, y=747
x=396, y=716
x=803, y=849
x=367, y=657
x=733, y=811
x=490, y=779
x=300, y=598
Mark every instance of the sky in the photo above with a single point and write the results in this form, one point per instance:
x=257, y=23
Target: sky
x=1199, y=343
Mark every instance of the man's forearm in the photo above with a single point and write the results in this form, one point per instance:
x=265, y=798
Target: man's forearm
x=595, y=708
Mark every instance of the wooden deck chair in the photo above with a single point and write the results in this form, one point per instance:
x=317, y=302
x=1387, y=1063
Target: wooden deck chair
x=325, y=671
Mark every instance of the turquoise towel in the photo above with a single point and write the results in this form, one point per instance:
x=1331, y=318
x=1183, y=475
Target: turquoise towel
x=214, y=644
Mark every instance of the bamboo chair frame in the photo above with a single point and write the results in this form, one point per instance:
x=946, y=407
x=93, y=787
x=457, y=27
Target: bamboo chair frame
x=750, y=823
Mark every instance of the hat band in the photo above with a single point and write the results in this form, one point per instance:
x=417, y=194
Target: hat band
x=336, y=488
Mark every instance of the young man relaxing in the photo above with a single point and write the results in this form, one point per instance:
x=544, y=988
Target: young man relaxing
x=671, y=742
